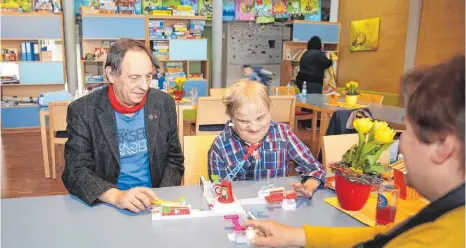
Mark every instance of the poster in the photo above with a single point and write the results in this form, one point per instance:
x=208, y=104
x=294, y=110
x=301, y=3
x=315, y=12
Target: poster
x=245, y=10
x=364, y=35
x=294, y=7
x=170, y=3
x=311, y=10
x=228, y=10
x=280, y=9
x=264, y=13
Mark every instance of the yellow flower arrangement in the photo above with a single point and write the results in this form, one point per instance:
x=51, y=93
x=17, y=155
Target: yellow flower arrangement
x=351, y=88
x=179, y=82
x=374, y=138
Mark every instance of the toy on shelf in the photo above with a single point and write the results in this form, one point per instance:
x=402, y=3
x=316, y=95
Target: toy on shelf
x=128, y=7
x=240, y=235
x=147, y=4
x=183, y=10
x=108, y=6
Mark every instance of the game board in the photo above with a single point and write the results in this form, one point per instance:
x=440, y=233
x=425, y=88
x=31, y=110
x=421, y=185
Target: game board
x=221, y=202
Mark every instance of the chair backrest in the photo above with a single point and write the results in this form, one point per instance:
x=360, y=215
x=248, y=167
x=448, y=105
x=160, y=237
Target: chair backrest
x=217, y=92
x=57, y=117
x=210, y=111
x=283, y=90
x=283, y=109
x=334, y=146
x=196, y=149
x=370, y=98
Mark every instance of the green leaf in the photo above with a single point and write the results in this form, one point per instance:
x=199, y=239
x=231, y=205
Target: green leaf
x=367, y=149
x=376, y=168
x=382, y=149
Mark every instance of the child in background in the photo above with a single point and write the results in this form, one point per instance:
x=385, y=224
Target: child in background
x=258, y=74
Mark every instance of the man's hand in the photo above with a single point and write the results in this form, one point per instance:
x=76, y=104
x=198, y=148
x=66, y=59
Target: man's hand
x=308, y=188
x=273, y=234
x=136, y=199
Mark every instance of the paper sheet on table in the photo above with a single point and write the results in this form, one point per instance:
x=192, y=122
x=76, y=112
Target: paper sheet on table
x=405, y=209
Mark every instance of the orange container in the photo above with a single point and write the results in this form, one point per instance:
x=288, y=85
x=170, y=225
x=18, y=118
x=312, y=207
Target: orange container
x=333, y=99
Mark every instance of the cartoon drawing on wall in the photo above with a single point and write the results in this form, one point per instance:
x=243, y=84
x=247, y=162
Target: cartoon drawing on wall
x=364, y=35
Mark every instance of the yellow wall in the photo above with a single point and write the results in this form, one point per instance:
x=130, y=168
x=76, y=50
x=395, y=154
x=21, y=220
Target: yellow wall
x=441, y=31
x=380, y=70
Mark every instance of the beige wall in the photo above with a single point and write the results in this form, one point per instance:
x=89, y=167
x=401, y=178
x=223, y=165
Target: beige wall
x=374, y=70
x=441, y=31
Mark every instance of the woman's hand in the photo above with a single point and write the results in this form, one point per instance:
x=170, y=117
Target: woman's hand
x=273, y=234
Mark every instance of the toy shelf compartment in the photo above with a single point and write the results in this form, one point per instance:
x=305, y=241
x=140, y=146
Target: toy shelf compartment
x=101, y=27
x=27, y=26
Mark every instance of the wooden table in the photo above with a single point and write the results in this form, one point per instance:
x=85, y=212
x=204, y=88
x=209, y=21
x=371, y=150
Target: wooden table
x=318, y=103
x=44, y=113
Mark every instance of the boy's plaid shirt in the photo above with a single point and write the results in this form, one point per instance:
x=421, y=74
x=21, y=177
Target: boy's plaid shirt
x=278, y=148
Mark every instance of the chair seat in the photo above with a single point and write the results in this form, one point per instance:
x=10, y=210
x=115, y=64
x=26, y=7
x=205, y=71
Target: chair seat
x=61, y=134
x=212, y=128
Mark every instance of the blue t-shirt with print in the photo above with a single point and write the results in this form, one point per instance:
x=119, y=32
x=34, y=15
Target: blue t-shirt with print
x=134, y=158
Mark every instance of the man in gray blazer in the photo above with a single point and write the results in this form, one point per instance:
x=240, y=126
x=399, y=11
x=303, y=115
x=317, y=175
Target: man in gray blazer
x=123, y=138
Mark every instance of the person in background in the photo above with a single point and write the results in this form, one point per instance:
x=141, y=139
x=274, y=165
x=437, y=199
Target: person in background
x=435, y=128
x=265, y=146
x=257, y=73
x=312, y=66
x=123, y=139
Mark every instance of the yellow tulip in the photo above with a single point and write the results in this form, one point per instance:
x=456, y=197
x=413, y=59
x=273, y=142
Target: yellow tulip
x=348, y=85
x=379, y=125
x=363, y=125
x=384, y=135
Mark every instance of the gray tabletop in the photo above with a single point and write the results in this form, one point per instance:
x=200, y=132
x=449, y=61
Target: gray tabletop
x=65, y=221
x=380, y=112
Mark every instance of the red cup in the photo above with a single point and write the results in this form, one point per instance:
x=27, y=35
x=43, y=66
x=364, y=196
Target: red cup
x=387, y=200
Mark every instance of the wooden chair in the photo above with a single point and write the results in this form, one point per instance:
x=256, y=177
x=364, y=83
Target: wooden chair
x=283, y=109
x=196, y=149
x=299, y=115
x=217, y=92
x=210, y=111
x=334, y=146
x=370, y=98
x=57, y=128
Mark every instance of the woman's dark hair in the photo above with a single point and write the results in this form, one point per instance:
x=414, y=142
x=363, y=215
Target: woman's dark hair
x=314, y=43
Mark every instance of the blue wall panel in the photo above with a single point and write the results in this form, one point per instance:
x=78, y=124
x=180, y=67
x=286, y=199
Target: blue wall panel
x=113, y=28
x=30, y=27
x=326, y=32
x=16, y=117
x=188, y=50
x=41, y=73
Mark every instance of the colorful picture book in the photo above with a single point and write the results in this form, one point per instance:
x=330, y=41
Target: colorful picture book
x=206, y=8
x=280, y=9
x=16, y=6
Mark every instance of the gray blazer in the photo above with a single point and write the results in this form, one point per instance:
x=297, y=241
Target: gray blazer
x=92, y=155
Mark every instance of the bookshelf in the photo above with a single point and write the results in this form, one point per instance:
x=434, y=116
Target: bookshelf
x=98, y=30
x=301, y=32
x=38, y=67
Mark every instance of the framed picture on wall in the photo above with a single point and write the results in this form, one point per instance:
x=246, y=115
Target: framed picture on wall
x=364, y=35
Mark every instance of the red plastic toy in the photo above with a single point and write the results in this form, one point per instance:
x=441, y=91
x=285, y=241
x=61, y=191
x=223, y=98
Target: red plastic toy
x=224, y=192
x=278, y=196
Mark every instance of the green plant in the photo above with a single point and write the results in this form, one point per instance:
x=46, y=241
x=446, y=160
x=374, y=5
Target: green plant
x=351, y=88
x=374, y=138
x=179, y=83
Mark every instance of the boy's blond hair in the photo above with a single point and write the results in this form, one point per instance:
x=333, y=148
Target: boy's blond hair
x=243, y=93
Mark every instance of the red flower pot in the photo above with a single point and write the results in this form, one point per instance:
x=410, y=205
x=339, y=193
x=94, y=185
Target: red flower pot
x=351, y=196
x=178, y=95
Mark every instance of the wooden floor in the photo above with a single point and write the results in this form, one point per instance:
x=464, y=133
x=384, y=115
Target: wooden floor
x=22, y=171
